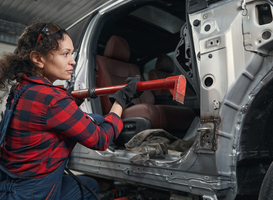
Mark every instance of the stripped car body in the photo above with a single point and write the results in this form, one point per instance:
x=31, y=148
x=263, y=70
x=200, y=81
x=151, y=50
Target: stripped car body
x=225, y=54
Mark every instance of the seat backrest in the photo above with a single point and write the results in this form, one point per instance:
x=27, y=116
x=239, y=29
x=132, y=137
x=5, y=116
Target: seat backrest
x=113, y=69
x=164, y=68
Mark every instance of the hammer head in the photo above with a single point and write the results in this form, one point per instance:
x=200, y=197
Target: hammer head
x=179, y=89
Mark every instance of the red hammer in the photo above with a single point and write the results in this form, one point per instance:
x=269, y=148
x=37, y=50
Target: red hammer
x=176, y=85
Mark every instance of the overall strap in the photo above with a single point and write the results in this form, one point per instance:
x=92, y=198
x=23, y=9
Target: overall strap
x=6, y=120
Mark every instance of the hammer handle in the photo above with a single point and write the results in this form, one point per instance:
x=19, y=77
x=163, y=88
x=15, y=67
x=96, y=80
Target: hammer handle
x=141, y=86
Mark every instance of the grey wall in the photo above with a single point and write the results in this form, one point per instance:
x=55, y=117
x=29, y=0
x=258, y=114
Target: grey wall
x=5, y=48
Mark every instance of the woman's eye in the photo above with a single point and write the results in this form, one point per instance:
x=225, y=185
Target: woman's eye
x=65, y=54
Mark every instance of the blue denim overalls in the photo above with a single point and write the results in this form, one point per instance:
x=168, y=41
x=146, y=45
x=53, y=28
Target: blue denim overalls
x=54, y=186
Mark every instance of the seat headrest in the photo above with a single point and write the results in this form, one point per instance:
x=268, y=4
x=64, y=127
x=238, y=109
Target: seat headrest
x=164, y=63
x=117, y=48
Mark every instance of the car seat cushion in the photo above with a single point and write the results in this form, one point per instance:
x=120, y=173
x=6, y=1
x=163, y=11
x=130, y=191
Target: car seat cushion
x=169, y=118
x=164, y=63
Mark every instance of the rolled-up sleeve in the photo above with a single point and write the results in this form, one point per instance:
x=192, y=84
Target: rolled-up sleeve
x=66, y=118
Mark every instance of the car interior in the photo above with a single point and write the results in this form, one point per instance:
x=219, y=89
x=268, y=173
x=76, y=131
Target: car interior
x=142, y=39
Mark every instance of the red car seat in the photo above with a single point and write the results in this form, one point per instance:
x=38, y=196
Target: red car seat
x=113, y=69
x=164, y=68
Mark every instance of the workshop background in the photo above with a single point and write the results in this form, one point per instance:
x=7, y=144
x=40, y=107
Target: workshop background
x=15, y=15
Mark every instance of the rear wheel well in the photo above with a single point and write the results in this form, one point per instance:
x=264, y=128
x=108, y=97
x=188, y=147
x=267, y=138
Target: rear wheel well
x=256, y=149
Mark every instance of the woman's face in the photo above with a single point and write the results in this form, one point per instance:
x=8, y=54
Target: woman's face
x=59, y=63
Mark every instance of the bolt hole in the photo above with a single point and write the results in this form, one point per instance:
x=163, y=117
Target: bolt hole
x=208, y=82
x=266, y=35
x=207, y=28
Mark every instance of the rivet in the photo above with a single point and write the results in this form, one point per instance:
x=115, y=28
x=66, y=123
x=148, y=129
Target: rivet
x=196, y=22
x=205, y=16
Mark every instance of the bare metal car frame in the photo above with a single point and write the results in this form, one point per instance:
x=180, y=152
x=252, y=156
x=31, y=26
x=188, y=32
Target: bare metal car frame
x=231, y=70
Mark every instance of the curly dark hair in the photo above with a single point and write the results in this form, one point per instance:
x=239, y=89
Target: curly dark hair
x=13, y=66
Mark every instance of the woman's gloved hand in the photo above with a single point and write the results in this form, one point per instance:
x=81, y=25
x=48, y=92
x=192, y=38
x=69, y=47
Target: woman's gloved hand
x=127, y=93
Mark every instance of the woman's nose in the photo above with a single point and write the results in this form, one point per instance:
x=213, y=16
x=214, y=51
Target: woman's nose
x=72, y=61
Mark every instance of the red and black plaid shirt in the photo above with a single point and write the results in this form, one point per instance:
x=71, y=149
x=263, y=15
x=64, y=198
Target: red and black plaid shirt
x=45, y=127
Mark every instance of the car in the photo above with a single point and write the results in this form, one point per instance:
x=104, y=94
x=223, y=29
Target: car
x=223, y=49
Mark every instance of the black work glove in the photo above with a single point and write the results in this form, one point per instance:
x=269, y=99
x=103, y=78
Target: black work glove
x=127, y=93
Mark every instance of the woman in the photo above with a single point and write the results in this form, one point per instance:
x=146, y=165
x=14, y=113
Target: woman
x=42, y=122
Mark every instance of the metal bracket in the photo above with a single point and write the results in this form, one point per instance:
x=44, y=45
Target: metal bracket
x=207, y=136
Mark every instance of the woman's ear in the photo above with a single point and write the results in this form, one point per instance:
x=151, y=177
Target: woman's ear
x=37, y=59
